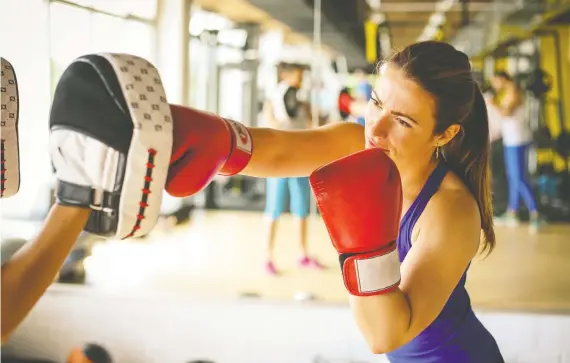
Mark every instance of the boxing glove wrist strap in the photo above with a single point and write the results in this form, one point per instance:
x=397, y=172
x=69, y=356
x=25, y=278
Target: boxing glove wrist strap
x=372, y=273
x=241, y=149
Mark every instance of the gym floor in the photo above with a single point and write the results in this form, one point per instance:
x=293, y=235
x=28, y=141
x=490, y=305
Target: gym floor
x=221, y=254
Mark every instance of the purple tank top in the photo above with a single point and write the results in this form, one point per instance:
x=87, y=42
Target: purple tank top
x=456, y=335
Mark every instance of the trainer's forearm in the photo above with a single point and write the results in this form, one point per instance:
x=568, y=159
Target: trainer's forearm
x=383, y=320
x=27, y=275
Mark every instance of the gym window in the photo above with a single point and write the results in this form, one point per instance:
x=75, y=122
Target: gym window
x=79, y=27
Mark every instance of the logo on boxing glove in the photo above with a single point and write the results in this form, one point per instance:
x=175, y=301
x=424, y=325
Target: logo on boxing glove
x=242, y=134
x=243, y=140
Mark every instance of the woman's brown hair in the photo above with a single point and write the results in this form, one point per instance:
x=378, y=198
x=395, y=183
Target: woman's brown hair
x=446, y=74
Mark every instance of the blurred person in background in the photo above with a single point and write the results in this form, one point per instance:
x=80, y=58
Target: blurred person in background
x=362, y=91
x=287, y=109
x=517, y=137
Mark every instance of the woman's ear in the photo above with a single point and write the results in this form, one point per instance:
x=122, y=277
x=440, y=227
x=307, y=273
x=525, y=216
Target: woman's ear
x=448, y=134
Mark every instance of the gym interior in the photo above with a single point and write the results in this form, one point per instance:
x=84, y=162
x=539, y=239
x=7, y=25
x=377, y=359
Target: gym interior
x=197, y=288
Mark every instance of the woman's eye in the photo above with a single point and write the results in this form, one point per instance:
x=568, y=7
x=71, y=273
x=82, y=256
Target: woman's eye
x=375, y=102
x=403, y=123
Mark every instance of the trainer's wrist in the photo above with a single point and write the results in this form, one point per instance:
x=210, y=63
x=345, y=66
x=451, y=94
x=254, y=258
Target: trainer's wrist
x=70, y=212
x=73, y=195
x=240, y=151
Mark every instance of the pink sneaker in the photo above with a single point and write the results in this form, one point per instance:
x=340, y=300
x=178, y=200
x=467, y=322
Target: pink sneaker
x=270, y=268
x=310, y=262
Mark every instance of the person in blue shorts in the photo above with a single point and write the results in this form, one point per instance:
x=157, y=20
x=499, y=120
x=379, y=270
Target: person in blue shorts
x=287, y=109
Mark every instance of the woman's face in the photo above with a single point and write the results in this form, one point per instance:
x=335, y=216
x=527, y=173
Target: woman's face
x=400, y=118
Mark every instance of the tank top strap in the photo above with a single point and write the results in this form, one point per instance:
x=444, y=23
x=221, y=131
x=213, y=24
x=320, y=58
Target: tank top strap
x=430, y=187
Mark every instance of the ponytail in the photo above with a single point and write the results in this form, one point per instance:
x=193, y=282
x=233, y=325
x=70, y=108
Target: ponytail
x=446, y=74
x=468, y=156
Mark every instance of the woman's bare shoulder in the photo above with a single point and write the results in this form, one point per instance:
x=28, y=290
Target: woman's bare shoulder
x=453, y=191
x=453, y=206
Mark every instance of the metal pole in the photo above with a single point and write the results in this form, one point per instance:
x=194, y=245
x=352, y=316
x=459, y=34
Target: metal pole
x=315, y=74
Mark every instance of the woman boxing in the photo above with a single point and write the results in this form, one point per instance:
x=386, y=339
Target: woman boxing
x=428, y=116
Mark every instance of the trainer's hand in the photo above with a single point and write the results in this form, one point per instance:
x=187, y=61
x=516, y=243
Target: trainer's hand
x=111, y=142
x=360, y=199
x=204, y=145
x=31, y=270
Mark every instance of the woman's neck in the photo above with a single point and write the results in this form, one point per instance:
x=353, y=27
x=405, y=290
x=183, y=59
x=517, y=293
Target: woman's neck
x=414, y=176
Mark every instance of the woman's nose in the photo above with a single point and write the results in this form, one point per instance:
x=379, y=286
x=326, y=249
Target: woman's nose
x=377, y=121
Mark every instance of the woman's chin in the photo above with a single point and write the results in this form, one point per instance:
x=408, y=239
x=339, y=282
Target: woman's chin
x=369, y=146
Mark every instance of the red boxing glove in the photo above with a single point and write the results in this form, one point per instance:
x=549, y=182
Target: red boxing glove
x=360, y=199
x=204, y=145
x=344, y=101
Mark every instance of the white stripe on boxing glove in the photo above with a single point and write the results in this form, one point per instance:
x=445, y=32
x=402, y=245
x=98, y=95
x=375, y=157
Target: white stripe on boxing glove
x=372, y=273
x=84, y=161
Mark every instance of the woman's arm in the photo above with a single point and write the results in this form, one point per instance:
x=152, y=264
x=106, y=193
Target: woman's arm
x=278, y=153
x=32, y=269
x=430, y=272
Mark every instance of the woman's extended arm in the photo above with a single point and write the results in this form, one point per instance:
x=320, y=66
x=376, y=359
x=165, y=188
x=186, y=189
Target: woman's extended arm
x=278, y=153
x=432, y=269
x=31, y=270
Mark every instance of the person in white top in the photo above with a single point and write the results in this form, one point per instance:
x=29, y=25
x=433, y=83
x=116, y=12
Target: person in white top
x=287, y=109
x=517, y=138
x=494, y=117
